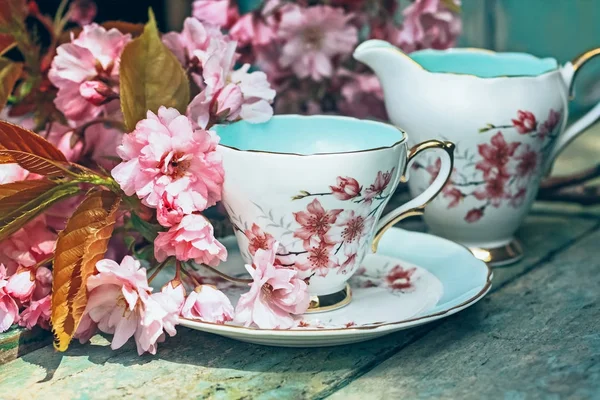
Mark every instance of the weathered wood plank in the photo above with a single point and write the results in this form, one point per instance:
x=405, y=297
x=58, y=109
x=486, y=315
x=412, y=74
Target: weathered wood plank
x=18, y=341
x=538, y=337
x=193, y=364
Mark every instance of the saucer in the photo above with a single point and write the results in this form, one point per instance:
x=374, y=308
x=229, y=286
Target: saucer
x=414, y=278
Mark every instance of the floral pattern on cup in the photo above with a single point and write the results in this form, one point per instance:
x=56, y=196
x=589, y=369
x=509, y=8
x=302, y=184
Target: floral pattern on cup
x=317, y=240
x=398, y=279
x=501, y=171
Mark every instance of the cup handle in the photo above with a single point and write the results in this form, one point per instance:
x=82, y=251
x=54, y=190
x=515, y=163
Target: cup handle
x=569, y=73
x=417, y=205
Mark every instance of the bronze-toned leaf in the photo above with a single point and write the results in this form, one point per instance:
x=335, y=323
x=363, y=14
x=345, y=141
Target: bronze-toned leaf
x=30, y=151
x=16, y=194
x=150, y=76
x=11, y=12
x=78, y=248
x=9, y=74
x=16, y=218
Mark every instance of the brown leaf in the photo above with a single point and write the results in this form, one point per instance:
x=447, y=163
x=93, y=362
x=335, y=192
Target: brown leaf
x=150, y=77
x=9, y=74
x=11, y=11
x=21, y=207
x=30, y=151
x=78, y=248
x=16, y=194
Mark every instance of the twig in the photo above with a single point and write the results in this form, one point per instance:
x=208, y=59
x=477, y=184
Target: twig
x=570, y=180
x=189, y=275
x=158, y=269
x=225, y=276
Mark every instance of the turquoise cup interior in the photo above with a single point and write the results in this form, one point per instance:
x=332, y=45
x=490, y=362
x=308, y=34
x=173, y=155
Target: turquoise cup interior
x=309, y=135
x=482, y=63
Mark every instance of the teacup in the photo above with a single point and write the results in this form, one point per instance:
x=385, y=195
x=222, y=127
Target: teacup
x=318, y=186
x=507, y=115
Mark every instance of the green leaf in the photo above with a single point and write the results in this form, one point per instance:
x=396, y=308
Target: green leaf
x=15, y=220
x=9, y=74
x=146, y=229
x=150, y=76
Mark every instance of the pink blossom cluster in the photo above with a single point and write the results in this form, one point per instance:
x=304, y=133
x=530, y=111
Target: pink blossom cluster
x=305, y=47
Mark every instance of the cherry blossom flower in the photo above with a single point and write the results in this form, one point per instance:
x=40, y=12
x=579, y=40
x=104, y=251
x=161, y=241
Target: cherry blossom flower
x=120, y=303
x=208, y=304
x=82, y=12
x=43, y=283
x=315, y=222
x=216, y=12
x=257, y=239
x=346, y=188
x=28, y=246
x=399, y=278
x=165, y=154
x=9, y=311
x=101, y=144
x=61, y=136
x=38, y=313
x=275, y=294
x=251, y=29
x=495, y=155
x=94, y=56
x=21, y=284
x=428, y=24
x=362, y=96
x=474, y=215
x=313, y=36
x=550, y=124
x=168, y=212
x=10, y=173
x=528, y=162
x=86, y=329
x=525, y=122
x=192, y=239
x=194, y=45
x=381, y=183
x=494, y=190
x=170, y=299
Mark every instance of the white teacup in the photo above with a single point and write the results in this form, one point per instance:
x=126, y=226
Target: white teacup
x=318, y=186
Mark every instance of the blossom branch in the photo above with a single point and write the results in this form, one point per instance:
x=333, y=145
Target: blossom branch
x=225, y=276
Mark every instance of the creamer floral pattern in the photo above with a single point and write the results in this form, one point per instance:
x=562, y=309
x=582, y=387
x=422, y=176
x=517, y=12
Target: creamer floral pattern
x=501, y=171
x=317, y=240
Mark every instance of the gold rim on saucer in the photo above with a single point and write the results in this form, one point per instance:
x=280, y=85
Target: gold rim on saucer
x=508, y=254
x=330, y=302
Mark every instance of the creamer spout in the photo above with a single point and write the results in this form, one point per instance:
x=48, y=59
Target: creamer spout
x=387, y=61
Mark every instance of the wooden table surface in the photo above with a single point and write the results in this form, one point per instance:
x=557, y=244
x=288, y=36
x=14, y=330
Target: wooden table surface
x=535, y=335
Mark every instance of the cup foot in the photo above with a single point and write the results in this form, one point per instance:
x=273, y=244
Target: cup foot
x=500, y=256
x=330, y=302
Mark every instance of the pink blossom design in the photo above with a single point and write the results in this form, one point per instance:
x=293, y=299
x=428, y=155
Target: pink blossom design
x=400, y=278
x=352, y=227
x=82, y=12
x=381, y=183
x=519, y=197
x=315, y=222
x=275, y=294
x=550, y=124
x=38, y=313
x=350, y=263
x=454, y=194
x=313, y=36
x=165, y=154
x=527, y=162
x=94, y=56
x=494, y=190
x=258, y=239
x=474, y=215
x=319, y=259
x=495, y=155
x=9, y=311
x=525, y=122
x=428, y=24
x=208, y=304
x=120, y=303
x=192, y=239
x=346, y=188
